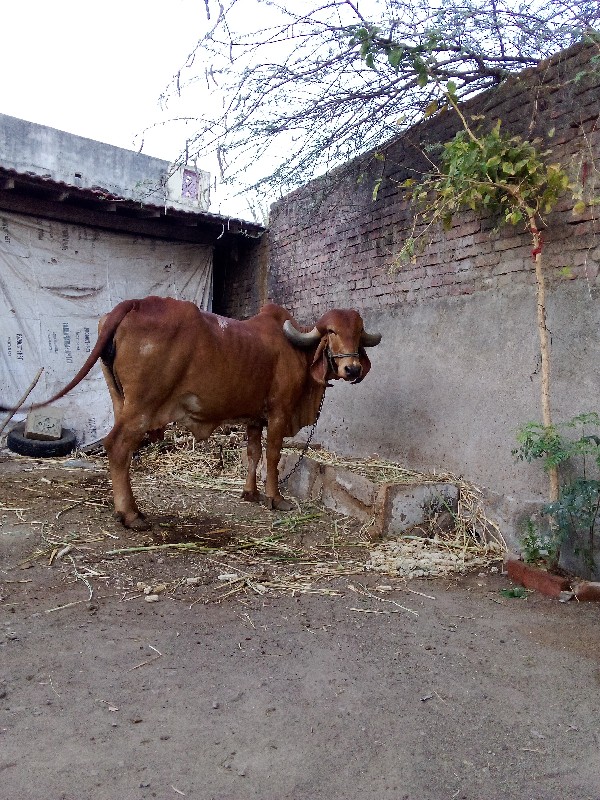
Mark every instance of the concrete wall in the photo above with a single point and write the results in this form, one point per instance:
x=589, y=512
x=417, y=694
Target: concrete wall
x=457, y=371
x=77, y=161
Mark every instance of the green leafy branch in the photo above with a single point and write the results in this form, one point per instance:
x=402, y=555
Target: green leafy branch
x=575, y=511
x=419, y=59
x=496, y=174
x=553, y=444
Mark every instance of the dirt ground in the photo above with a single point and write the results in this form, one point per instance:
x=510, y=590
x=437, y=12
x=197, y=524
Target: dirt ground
x=244, y=654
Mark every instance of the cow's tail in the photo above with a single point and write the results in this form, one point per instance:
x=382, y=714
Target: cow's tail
x=111, y=322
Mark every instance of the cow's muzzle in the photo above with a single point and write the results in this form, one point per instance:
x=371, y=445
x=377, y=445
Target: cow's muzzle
x=350, y=372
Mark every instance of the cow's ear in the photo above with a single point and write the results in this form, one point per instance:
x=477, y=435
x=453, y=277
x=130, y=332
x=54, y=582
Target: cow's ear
x=319, y=368
x=365, y=364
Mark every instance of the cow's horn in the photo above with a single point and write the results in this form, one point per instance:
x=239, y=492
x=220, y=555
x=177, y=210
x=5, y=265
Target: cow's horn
x=298, y=338
x=370, y=339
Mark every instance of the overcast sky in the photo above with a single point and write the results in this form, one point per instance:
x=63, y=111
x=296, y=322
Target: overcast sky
x=97, y=69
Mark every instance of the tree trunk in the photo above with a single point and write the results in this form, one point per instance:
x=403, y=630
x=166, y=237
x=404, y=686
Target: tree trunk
x=544, y=346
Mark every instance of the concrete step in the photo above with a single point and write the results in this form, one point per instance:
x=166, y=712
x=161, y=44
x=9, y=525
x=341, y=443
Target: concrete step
x=393, y=507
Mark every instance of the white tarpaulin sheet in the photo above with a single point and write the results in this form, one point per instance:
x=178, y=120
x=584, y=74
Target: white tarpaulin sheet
x=56, y=281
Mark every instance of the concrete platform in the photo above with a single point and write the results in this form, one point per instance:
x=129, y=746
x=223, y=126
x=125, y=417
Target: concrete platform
x=393, y=507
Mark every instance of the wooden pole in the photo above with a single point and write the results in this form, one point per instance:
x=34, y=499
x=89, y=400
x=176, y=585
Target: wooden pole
x=544, y=346
x=14, y=410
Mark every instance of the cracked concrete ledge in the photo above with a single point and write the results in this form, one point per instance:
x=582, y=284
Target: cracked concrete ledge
x=393, y=507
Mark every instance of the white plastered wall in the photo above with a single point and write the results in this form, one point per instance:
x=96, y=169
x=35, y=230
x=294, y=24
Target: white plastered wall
x=56, y=281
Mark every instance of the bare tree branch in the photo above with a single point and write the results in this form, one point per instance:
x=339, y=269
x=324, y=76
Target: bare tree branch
x=304, y=89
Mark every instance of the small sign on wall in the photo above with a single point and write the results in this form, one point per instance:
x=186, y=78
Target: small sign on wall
x=188, y=187
x=190, y=184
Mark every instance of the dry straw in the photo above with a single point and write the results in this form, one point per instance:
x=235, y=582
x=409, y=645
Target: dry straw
x=470, y=540
x=265, y=552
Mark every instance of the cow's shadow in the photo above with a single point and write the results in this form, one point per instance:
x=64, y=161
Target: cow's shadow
x=211, y=532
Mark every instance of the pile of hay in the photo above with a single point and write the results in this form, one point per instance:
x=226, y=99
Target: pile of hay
x=447, y=543
x=442, y=546
x=230, y=548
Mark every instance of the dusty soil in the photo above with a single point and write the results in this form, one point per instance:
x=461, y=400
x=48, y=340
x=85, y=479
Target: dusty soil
x=271, y=665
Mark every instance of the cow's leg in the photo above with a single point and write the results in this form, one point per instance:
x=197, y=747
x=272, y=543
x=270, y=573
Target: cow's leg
x=254, y=451
x=120, y=444
x=274, y=444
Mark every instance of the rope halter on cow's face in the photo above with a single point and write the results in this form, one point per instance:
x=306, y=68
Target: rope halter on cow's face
x=334, y=330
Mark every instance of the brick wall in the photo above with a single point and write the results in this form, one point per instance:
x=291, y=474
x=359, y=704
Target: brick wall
x=332, y=245
x=457, y=371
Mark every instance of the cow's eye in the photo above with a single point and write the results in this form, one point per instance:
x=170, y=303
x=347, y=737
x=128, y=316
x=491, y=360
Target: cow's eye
x=330, y=330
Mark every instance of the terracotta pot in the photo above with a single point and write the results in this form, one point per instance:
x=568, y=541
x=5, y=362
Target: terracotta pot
x=532, y=577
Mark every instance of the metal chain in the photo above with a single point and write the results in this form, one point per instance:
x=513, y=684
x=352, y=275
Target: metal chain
x=306, y=445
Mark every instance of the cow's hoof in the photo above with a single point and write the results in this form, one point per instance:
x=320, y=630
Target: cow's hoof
x=251, y=497
x=140, y=524
x=134, y=523
x=280, y=504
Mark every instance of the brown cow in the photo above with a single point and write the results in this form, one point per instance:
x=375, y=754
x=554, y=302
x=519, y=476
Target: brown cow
x=165, y=360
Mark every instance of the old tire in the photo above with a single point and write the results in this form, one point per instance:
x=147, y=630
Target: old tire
x=37, y=448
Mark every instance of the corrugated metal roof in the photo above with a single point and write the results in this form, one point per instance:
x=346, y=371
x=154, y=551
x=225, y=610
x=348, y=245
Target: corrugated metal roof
x=14, y=184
